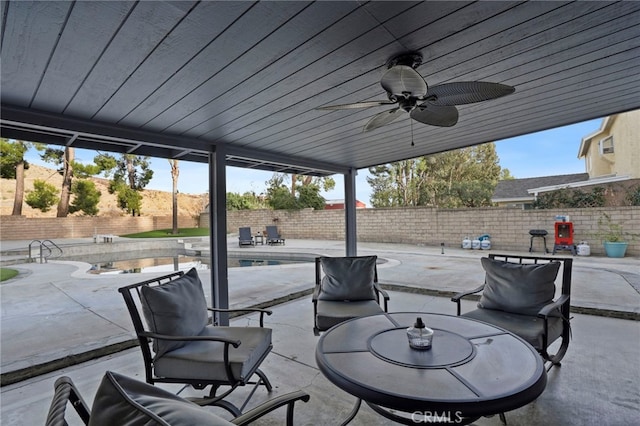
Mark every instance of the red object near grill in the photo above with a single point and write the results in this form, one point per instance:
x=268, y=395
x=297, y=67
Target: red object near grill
x=564, y=233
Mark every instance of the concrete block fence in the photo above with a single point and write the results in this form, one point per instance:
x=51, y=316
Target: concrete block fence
x=22, y=228
x=508, y=228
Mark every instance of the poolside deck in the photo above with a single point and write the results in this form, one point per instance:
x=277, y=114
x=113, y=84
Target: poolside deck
x=597, y=384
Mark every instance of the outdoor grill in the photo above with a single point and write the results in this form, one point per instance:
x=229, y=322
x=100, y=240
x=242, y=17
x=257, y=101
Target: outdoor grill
x=538, y=233
x=564, y=237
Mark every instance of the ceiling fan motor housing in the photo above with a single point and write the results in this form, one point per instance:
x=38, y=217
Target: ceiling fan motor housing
x=413, y=60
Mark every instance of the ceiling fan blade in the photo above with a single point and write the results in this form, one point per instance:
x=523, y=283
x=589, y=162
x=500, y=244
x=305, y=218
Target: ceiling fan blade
x=467, y=92
x=364, y=104
x=401, y=79
x=435, y=115
x=383, y=118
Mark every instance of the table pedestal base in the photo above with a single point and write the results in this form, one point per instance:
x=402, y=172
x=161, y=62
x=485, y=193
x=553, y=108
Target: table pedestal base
x=353, y=412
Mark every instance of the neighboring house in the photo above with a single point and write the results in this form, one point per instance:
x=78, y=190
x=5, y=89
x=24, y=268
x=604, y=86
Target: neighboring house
x=517, y=192
x=612, y=154
x=339, y=205
x=614, y=150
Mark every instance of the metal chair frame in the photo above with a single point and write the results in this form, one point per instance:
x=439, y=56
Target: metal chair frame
x=145, y=338
x=561, y=304
x=317, y=289
x=66, y=392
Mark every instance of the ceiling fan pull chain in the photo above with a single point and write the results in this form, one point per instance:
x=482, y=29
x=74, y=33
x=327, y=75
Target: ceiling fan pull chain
x=411, y=125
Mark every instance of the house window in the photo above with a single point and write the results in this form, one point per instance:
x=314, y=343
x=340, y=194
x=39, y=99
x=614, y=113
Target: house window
x=606, y=145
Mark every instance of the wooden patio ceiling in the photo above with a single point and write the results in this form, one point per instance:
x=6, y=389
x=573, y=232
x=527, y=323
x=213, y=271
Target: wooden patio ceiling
x=181, y=79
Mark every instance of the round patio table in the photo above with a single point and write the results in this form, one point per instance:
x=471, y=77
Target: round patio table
x=473, y=369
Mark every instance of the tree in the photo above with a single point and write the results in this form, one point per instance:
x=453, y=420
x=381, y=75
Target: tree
x=175, y=172
x=129, y=199
x=131, y=173
x=86, y=197
x=246, y=201
x=309, y=196
x=505, y=174
x=64, y=158
x=13, y=165
x=326, y=183
x=43, y=196
x=460, y=178
x=304, y=191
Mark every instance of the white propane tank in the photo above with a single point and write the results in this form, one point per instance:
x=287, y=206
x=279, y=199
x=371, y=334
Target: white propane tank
x=475, y=244
x=583, y=249
x=485, y=244
x=466, y=243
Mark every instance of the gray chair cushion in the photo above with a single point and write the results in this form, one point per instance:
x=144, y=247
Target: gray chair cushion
x=331, y=313
x=177, y=308
x=528, y=327
x=203, y=360
x=518, y=288
x=123, y=401
x=348, y=278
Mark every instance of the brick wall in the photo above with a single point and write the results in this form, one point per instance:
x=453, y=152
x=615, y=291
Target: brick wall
x=508, y=228
x=23, y=228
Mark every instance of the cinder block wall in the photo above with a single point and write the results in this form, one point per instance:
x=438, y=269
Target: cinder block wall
x=23, y=228
x=508, y=228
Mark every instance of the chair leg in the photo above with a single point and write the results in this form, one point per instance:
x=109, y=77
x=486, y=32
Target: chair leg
x=265, y=381
x=262, y=381
x=218, y=401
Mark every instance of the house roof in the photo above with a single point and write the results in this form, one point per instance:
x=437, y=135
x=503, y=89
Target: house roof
x=244, y=79
x=517, y=189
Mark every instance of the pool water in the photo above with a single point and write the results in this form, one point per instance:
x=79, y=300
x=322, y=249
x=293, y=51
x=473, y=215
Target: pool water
x=177, y=263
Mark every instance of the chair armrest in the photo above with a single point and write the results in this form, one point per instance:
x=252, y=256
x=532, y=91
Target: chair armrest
x=460, y=295
x=547, y=309
x=262, y=312
x=288, y=399
x=384, y=294
x=232, y=342
x=65, y=392
x=316, y=294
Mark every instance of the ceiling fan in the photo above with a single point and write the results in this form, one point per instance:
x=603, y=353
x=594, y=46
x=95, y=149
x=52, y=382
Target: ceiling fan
x=408, y=91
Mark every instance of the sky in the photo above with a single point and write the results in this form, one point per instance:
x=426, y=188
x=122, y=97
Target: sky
x=546, y=153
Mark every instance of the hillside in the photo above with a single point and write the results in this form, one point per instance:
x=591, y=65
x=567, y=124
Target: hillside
x=154, y=203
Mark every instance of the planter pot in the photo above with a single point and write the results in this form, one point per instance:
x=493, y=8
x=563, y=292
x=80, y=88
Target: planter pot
x=615, y=249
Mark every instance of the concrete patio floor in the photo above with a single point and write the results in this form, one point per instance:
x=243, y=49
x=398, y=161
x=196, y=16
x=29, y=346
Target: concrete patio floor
x=47, y=312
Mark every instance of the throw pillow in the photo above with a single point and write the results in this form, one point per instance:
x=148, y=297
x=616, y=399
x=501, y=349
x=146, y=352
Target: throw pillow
x=177, y=308
x=348, y=278
x=123, y=401
x=518, y=288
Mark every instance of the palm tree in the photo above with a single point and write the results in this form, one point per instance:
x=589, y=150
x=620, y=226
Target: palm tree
x=175, y=172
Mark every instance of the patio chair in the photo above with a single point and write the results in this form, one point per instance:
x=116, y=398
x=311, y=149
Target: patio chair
x=518, y=295
x=245, y=238
x=273, y=236
x=345, y=288
x=187, y=347
x=123, y=400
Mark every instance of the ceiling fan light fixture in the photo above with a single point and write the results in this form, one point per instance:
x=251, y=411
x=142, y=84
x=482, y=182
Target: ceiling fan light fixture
x=406, y=87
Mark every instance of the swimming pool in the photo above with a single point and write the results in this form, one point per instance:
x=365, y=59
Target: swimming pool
x=170, y=260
